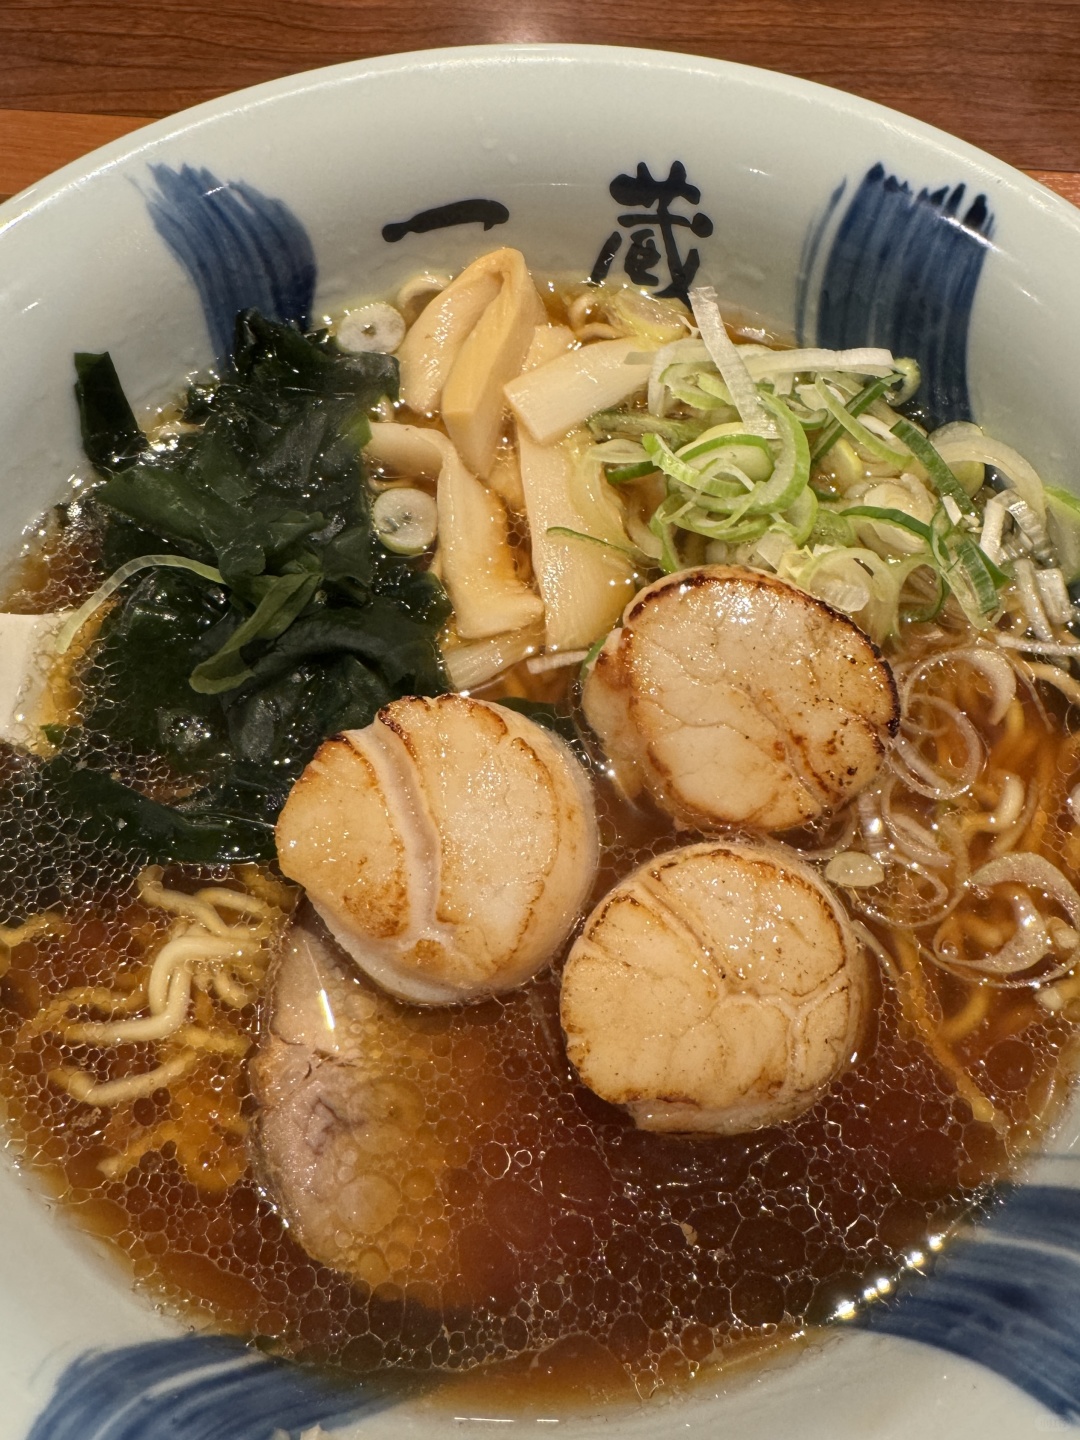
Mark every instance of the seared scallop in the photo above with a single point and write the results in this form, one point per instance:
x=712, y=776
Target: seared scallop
x=449, y=846
x=718, y=988
x=339, y=1142
x=736, y=698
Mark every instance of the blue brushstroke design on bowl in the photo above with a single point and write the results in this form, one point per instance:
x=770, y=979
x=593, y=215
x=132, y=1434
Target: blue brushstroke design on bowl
x=241, y=249
x=809, y=259
x=901, y=272
x=203, y=1387
x=1007, y=1297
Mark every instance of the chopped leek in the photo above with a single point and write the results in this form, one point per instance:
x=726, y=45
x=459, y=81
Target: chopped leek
x=801, y=517
x=941, y=477
x=982, y=574
x=606, y=423
x=891, y=517
x=791, y=472
x=797, y=462
x=621, y=474
x=669, y=462
x=833, y=431
x=78, y=618
x=725, y=355
x=570, y=534
x=1063, y=526
x=863, y=437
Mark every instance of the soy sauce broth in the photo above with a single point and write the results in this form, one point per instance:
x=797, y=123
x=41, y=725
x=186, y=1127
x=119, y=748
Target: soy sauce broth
x=631, y=1262
x=637, y=1261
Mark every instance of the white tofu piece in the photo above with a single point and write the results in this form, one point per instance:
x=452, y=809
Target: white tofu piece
x=25, y=658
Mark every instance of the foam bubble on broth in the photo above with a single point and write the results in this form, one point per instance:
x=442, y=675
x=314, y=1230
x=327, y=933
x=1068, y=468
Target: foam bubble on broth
x=535, y=1215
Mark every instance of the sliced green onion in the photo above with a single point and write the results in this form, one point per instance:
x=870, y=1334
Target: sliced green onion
x=721, y=501
x=681, y=380
x=910, y=379
x=674, y=353
x=800, y=517
x=732, y=530
x=723, y=491
x=969, y=572
x=941, y=477
x=713, y=385
x=791, y=472
x=1012, y=467
x=725, y=356
x=722, y=494
x=830, y=528
x=635, y=423
x=941, y=527
x=889, y=516
x=933, y=609
x=808, y=419
x=657, y=448
x=662, y=524
x=691, y=396
x=983, y=574
x=865, y=361
x=591, y=654
x=862, y=401
x=750, y=453
x=620, y=474
x=405, y=519
x=570, y=534
x=862, y=437
x=617, y=451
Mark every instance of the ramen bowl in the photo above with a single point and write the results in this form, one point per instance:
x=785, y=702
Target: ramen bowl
x=818, y=217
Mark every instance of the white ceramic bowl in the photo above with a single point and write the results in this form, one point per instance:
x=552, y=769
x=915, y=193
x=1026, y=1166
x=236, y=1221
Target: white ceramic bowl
x=818, y=213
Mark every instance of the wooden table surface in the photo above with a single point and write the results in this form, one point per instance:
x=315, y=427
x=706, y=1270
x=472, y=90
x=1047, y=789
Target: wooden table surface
x=1004, y=74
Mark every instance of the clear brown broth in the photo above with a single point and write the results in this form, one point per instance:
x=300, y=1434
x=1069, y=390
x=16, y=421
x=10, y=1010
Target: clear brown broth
x=631, y=1261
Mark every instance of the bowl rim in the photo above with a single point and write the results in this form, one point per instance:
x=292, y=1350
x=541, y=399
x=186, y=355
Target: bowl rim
x=51, y=188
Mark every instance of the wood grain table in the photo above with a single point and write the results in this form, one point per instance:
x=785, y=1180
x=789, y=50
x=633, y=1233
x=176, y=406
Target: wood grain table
x=1003, y=74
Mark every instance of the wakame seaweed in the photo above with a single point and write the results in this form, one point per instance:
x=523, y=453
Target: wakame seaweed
x=314, y=625
x=106, y=813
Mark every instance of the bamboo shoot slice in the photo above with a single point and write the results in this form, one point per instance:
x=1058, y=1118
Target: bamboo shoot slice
x=584, y=586
x=553, y=398
x=468, y=342
x=476, y=562
x=473, y=403
x=428, y=352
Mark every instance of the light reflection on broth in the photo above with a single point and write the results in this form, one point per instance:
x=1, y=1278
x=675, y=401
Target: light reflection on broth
x=531, y=1216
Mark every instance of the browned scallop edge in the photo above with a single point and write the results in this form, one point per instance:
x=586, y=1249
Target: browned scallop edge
x=696, y=578
x=302, y=782
x=388, y=716
x=892, y=725
x=775, y=863
x=754, y=855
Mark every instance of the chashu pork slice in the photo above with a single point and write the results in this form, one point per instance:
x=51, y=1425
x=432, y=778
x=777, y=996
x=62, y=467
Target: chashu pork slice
x=735, y=698
x=449, y=846
x=718, y=988
x=339, y=1130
